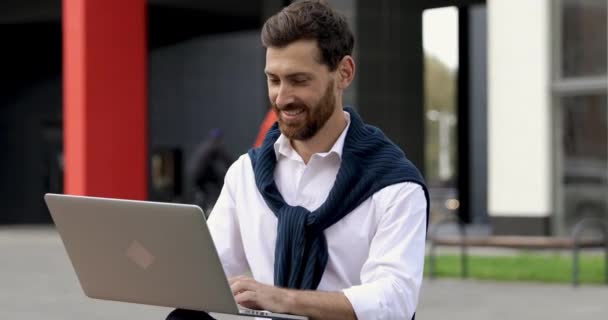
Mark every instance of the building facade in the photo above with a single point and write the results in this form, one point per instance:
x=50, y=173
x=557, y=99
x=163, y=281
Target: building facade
x=531, y=96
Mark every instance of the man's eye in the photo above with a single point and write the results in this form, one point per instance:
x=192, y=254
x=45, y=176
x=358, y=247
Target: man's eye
x=300, y=81
x=273, y=81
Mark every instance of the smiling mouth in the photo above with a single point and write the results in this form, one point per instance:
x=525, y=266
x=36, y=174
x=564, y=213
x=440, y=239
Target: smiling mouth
x=293, y=113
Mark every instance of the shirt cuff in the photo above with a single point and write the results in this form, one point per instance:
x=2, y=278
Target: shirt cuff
x=366, y=301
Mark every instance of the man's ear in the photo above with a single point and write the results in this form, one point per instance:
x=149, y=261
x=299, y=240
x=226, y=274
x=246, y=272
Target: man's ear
x=346, y=72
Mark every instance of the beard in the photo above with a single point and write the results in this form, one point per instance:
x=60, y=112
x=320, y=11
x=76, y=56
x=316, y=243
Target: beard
x=315, y=117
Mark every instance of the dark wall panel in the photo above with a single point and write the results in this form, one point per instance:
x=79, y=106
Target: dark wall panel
x=214, y=81
x=30, y=120
x=478, y=130
x=389, y=87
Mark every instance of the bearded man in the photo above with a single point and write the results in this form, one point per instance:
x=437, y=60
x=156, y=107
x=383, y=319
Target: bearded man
x=328, y=215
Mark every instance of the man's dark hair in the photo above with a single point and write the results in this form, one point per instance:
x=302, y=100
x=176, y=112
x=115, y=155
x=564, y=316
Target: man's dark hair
x=311, y=20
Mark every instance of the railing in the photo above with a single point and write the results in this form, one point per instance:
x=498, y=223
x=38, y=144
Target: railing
x=575, y=242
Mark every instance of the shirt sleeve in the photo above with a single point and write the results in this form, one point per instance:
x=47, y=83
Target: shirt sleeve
x=392, y=275
x=224, y=227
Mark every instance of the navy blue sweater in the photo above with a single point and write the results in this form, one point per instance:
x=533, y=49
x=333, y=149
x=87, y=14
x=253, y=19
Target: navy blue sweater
x=370, y=162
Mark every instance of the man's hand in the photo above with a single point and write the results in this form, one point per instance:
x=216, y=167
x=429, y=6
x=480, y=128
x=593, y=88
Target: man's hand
x=254, y=295
x=313, y=304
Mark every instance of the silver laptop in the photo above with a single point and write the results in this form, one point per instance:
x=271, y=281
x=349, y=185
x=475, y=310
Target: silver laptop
x=145, y=252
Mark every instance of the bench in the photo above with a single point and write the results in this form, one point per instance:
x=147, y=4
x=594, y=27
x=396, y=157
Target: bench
x=575, y=242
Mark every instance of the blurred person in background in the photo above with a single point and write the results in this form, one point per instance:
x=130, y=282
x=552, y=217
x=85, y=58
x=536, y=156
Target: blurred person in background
x=207, y=169
x=327, y=215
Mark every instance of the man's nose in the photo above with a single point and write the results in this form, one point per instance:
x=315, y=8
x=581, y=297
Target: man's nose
x=284, y=96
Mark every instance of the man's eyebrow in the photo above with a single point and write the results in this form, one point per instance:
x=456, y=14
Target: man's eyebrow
x=291, y=75
x=299, y=75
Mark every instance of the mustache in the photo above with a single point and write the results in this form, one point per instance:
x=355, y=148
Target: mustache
x=291, y=107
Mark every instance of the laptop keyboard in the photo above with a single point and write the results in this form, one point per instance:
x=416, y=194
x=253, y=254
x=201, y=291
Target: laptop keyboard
x=256, y=312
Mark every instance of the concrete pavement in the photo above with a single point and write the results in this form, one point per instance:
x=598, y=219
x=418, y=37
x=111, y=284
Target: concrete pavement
x=37, y=282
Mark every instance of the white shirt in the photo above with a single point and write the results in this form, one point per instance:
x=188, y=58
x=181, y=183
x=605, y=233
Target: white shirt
x=376, y=252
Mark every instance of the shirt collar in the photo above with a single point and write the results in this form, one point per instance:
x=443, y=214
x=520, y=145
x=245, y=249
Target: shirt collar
x=282, y=147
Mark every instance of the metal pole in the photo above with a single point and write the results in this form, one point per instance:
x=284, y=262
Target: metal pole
x=606, y=258
x=432, y=261
x=575, y=250
x=463, y=251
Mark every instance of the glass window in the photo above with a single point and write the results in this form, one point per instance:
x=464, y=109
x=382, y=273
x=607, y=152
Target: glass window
x=585, y=158
x=583, y=38
x=440, y=41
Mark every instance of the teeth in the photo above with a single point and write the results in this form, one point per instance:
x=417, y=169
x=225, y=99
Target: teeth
x=293, y=113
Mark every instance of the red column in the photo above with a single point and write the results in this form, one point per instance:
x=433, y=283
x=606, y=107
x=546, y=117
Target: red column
x=105, y=98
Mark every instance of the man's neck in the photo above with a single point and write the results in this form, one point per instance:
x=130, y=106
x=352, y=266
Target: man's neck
x=324, y=139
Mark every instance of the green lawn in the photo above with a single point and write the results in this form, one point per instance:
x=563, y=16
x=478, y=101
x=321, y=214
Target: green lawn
x=523, y=267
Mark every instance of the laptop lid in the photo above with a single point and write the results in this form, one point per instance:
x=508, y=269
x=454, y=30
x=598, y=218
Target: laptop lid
x=142, y=252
